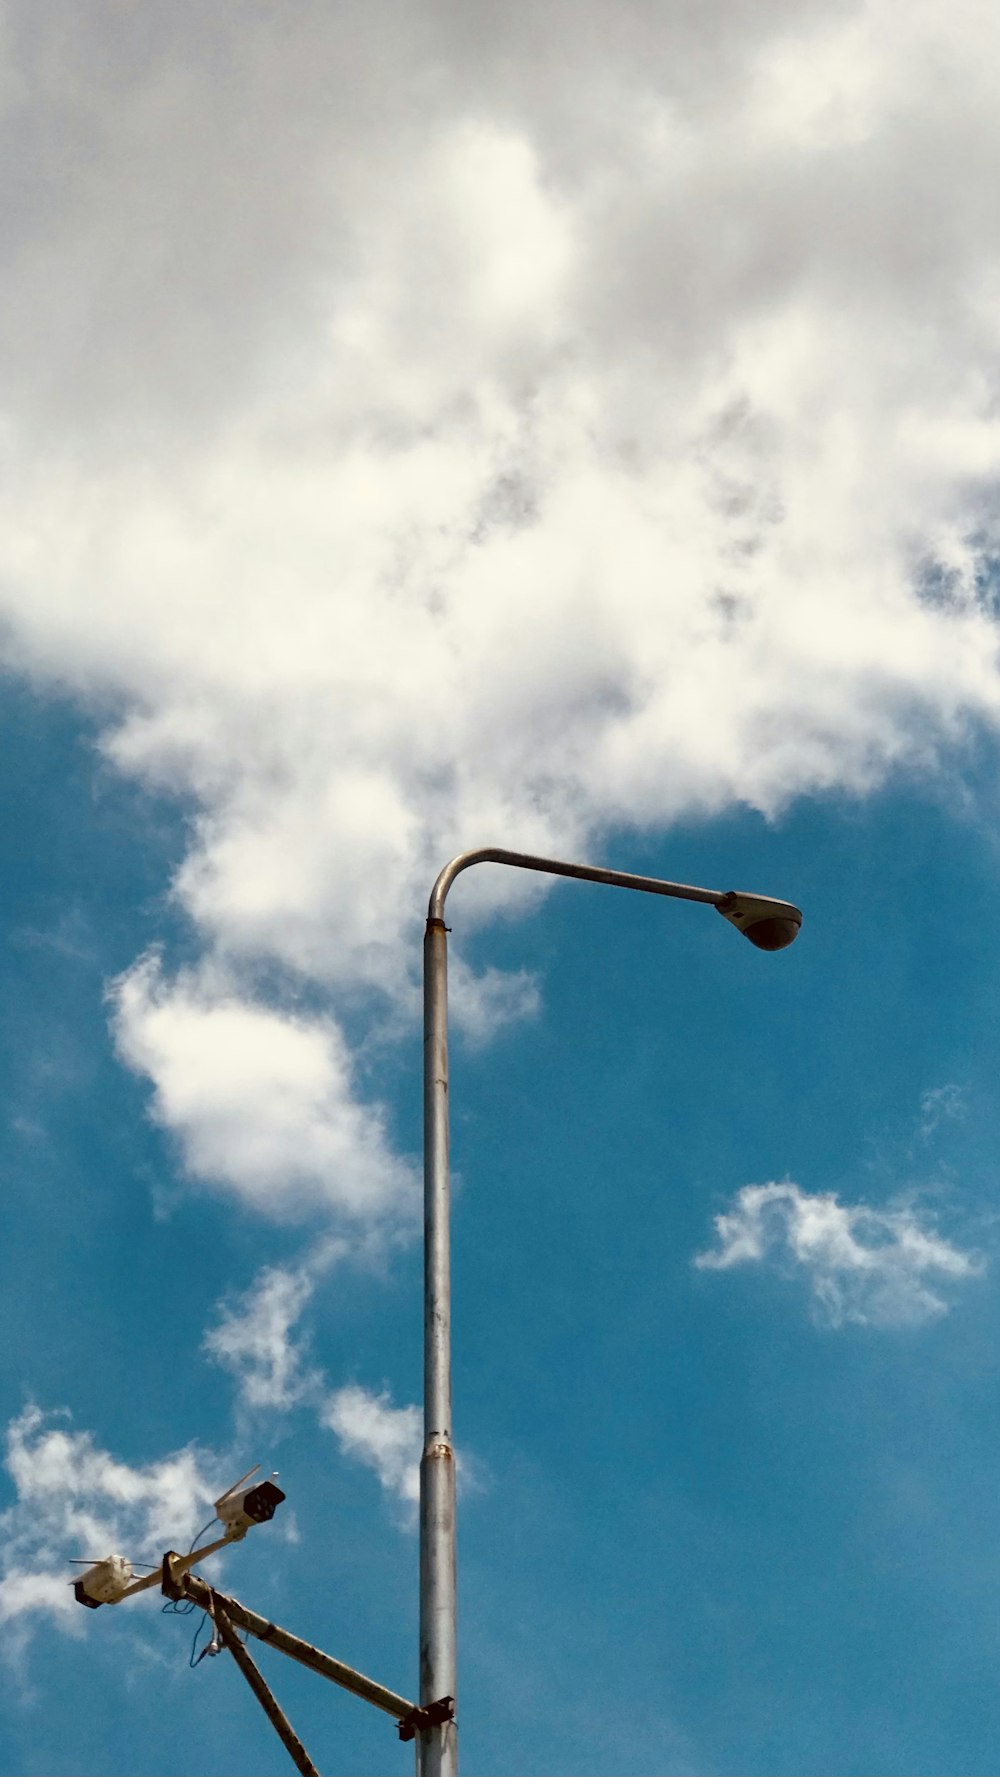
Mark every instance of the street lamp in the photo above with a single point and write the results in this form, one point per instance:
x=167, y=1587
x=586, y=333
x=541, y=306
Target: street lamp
x=771, y=925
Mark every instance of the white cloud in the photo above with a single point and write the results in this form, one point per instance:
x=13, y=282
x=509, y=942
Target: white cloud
x=481, y=1004
x=253, y=1339
x=941, y=1104
x=385, y=1438
x=873, y=1267
x=261, y=1102
x=581, y=419
x=75, y=1499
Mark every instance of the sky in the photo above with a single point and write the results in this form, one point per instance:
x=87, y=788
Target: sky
x=574, y=429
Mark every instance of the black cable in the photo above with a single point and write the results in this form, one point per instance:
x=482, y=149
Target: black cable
x=178, y=1607
x=196, y=1539
x=192, y=1661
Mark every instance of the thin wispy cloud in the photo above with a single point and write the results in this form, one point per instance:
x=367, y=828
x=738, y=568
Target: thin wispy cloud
x=940, y=1105
x=887, y=1267
x=254, y=1340
x=259, y=1338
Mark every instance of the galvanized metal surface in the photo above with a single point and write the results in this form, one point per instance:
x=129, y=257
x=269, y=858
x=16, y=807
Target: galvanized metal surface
x=650, y=885
x=437, y=1745
x=265, y=1697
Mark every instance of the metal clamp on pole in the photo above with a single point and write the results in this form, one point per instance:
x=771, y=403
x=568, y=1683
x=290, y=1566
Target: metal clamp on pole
x=430, y=1715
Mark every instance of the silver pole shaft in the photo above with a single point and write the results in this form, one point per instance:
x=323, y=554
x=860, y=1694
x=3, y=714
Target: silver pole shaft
x=437, y=1746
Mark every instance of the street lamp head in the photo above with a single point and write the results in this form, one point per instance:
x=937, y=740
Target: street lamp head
x=771, y=925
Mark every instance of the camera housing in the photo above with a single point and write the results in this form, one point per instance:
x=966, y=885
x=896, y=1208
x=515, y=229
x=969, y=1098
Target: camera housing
x=106, y=1582
x=238, y=1510
x=241, y=1507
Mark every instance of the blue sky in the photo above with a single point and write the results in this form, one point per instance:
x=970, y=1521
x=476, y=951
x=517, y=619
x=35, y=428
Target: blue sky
x=769, y=1539
x=547, y=427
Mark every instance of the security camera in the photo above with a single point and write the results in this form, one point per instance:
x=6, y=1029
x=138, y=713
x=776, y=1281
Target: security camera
x=239, y=1508
x=106, y=1582
x=771, y=925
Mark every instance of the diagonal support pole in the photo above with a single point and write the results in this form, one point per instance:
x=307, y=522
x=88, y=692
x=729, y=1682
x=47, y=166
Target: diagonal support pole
x=265, y=1697
x=179, y=1583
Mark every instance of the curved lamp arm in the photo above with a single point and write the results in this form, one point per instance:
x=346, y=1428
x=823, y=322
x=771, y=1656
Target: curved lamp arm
x=770, y=924
x=493, y=854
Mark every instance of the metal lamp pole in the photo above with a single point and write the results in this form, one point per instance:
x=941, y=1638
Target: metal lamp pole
x=769, y=924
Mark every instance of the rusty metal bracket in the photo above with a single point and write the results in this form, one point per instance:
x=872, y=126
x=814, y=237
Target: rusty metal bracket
x=177, y=1582
x=430, y=1715
x=173, y=1585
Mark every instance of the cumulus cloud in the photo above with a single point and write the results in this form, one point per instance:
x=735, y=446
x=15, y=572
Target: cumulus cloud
x=261, y=1102
x=452, y=424
x=569, y=426
x=874, y=1267
x=75, y=1499
x=385, y=1438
